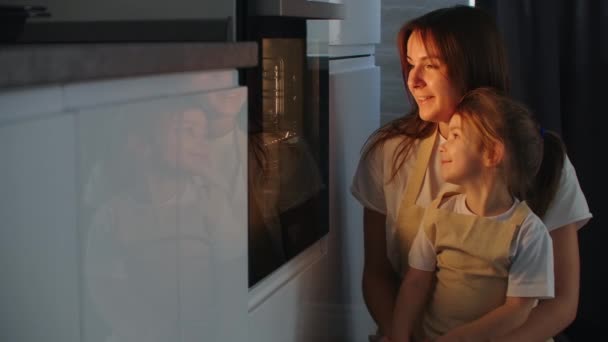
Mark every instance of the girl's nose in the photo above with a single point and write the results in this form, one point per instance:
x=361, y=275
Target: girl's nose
x=442, y=147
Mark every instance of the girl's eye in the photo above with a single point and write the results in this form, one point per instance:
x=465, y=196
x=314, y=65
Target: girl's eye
x=431, y=66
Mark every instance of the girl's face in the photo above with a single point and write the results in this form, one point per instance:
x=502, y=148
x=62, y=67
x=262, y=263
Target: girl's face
x=429, y=83
x=461, y=155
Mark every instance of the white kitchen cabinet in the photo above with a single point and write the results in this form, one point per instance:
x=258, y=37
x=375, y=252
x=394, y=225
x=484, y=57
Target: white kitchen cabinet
x=39, y=254
x=355, y=108
x=123, y=211
x=360, y=27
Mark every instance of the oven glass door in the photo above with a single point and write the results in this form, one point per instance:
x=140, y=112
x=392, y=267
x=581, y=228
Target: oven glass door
x=288, y=152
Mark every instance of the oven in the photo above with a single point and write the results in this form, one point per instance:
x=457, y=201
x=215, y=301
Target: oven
x=288, y=166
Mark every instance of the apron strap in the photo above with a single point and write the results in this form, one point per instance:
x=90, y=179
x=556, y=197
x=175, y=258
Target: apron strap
x=437, y=201
x=521, y=212
x=422, y=162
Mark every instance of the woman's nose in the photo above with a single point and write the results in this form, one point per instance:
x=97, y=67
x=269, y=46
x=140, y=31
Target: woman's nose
x=442, y=147
x=414, y=79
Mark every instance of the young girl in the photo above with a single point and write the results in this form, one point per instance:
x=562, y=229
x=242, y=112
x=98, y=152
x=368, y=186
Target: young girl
x=491, y=254
x=444, y=54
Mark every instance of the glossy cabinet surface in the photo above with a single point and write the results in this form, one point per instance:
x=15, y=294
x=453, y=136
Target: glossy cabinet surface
x=124, y=216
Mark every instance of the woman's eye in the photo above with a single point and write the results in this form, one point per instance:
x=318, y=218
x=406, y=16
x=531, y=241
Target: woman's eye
x=430, y=66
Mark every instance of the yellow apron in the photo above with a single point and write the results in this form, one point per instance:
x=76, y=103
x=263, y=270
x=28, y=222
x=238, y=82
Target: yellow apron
x=410, y=215
x=472, y=265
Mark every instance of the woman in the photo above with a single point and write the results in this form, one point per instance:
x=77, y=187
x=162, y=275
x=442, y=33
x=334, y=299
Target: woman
x=444, y=54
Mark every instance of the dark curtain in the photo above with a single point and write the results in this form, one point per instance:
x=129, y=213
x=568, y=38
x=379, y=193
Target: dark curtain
x=558, y=60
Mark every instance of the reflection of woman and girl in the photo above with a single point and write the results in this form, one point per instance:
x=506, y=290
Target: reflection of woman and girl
x=164, y=252
x=445, y=54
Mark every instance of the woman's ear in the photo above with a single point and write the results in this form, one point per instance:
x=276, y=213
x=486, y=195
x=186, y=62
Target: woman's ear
x=493, y=156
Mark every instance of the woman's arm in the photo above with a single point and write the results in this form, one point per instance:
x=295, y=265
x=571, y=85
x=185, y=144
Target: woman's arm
x=380, y=283
x=552, y=316
x=410, y=303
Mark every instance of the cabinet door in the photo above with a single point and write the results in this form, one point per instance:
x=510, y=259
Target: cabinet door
x=123, y=210
x=39, y=248
x=355, y=114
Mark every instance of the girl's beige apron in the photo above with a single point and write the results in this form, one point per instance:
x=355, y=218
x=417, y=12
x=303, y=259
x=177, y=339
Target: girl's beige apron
x=473, y=261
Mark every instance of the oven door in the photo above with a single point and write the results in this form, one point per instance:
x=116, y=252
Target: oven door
x=288, y=145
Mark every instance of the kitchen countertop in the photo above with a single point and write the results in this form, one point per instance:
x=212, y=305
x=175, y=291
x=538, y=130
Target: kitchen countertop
x=40, y=64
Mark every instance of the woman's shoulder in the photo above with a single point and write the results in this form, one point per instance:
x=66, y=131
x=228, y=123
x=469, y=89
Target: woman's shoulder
x=569, y=205
x=382, y=152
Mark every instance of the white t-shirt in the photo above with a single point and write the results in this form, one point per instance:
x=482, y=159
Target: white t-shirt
x=374, y=189
x=531, y=253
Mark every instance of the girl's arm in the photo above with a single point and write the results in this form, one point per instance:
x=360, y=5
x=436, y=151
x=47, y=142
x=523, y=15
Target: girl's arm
x=380, y=283
x=552, y=316
x=512, y=314
x=410, y=303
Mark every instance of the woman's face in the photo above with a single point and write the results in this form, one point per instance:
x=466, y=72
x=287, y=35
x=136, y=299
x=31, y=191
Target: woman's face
x=429, y=83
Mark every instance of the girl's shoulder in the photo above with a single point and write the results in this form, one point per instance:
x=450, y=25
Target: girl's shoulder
x=531, y=228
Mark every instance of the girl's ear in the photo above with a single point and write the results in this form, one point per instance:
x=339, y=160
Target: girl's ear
x=493, y=156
